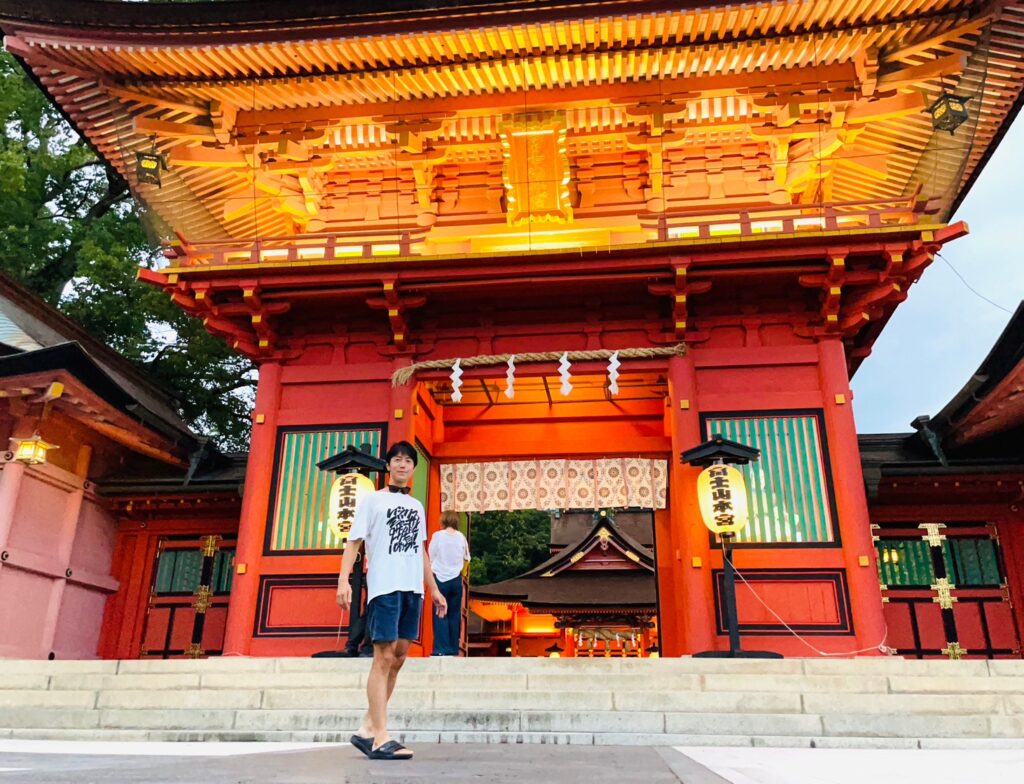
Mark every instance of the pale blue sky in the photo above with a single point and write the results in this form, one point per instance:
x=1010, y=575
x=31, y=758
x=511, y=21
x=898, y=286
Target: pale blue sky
x=937, y=338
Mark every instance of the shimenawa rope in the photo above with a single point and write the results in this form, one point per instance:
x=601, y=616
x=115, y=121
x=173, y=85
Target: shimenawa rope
x=404, y=375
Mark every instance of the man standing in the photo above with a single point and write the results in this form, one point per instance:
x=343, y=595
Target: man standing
x=392, y=526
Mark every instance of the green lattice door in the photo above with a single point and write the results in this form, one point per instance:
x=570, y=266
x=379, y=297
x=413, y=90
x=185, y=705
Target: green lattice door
x=945, y=591
x=188, y=599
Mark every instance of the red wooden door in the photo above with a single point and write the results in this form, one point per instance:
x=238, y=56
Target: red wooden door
x=188, y=600
x=945, y=592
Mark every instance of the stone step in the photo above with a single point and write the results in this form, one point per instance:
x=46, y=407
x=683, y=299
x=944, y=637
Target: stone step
x=428, y=737
x=545, y=673
x=645, y=722
x=882, y=702
x=529, y=737
x=461, y=699
x=539, y=666
x=28, y=698
x=566, y=683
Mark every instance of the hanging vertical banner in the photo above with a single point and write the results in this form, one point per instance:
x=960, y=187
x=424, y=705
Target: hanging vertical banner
x=564, y=373
x=536, y=171
x=510, y=377
x=456, y=378
x=613, y=373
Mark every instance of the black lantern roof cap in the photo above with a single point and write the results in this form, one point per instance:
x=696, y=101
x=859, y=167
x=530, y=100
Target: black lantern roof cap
x=720, y=448
x=351, y=458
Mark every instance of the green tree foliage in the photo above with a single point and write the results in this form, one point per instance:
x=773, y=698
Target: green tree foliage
x=506, y=544
x=70, y=232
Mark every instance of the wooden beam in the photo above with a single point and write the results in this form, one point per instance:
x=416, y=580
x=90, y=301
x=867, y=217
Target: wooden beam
x=565, y=97
x=145, y=126
x=487, y=391
x=545, y=447
x=195, y=109
x=889, y=108
x=919, y=47
x=547, y=390
x=208, y=157
x=915, y=74
x=132, y=441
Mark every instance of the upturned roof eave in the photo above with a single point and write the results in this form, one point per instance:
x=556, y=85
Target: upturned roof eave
x=270, y=20
x=564, y=556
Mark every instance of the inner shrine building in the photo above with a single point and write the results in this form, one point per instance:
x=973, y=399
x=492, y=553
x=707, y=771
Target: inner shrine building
x=554, y=246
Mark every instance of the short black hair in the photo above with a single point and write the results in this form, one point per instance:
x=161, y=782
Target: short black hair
x=402, y=448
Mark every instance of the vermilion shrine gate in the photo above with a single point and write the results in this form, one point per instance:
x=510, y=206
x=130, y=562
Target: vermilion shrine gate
x=734, y=197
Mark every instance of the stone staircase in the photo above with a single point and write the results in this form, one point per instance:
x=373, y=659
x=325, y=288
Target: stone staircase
x=868, y=702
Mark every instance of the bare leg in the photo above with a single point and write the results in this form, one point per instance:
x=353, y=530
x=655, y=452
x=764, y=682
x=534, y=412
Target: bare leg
x=380, y=684
x=401, y=651
x=366, y=729
x=377, y=692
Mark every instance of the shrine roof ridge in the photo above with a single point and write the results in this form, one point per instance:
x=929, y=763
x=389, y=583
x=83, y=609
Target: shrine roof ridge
x=119, y=380
x=266, y=16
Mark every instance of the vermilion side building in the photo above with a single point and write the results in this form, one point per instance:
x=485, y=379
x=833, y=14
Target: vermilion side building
x=732, y=197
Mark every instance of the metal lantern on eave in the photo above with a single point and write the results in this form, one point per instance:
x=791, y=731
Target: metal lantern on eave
x=148, y=166
x=949, y=112
x=32, y=451
x=346, y=492
x=722, y=495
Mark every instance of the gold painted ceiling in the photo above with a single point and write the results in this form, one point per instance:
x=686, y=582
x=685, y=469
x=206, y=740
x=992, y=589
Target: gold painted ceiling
x=525, y=126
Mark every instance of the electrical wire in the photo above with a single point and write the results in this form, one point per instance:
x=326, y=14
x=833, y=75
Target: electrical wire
x=971, y=288
x=881, y=646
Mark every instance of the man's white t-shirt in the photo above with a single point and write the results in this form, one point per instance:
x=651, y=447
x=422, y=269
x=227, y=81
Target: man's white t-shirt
x=448, y=551
x=393, y=528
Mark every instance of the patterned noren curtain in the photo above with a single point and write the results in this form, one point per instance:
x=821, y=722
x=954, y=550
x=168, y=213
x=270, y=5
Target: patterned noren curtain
x=554, y=484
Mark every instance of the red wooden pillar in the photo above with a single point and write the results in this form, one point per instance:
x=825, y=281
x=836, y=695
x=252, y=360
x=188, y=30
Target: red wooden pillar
x=255, y=503
x=690, y=546
x=63, y=546
x=125, y=612
x=851, y=500
x=1011, y=541
x=400, y=416
x=11, y=480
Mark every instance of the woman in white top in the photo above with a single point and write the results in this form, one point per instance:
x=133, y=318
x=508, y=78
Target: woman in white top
x=449, y=553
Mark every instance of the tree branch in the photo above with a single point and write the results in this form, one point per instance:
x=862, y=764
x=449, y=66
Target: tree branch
x=51, y=278
x=231, y=387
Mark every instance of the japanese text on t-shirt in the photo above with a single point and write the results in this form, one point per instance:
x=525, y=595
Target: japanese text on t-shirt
x=403, y=527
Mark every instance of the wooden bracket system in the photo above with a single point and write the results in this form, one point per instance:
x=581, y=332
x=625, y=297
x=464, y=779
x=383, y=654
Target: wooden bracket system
x=679, y=292
x=396, y=306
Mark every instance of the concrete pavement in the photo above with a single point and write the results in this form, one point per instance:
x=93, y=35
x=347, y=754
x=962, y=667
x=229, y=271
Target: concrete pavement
x=96, y=762
x=23, y=762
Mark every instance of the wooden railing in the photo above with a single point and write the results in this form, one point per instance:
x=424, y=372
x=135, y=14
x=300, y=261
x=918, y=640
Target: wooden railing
x=662, y=227
x=297, y=248
x=788, y=219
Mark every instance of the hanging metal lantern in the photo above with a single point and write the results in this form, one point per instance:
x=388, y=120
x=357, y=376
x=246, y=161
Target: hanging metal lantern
x=32, y=450
x=949, y=112
x=148, y=166
x=346, y=491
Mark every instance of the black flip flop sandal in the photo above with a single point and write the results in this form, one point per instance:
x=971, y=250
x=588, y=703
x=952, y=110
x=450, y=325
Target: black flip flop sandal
x=389, y=751
x=365, y=745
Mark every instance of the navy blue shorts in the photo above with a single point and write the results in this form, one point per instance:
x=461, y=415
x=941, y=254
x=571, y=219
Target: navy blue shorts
x=395, y=616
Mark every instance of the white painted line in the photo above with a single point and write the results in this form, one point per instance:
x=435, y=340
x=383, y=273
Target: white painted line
x=151, y=748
